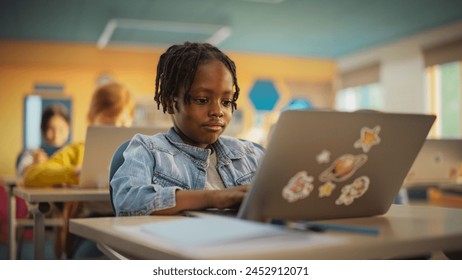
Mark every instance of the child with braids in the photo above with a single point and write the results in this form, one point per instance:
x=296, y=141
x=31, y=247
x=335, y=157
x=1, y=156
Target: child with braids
x=192, y=166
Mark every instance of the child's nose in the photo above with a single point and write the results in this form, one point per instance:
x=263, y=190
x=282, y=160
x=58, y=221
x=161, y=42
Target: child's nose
x=216, y=109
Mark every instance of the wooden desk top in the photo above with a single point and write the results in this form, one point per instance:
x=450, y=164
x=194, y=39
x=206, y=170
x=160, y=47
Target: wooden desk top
x=63, y=194
x=404, y=231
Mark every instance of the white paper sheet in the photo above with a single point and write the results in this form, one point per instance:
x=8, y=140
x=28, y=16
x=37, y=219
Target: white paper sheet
x=209, y=230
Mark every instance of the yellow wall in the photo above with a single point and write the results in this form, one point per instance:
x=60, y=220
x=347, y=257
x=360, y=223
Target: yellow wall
x=77, y=67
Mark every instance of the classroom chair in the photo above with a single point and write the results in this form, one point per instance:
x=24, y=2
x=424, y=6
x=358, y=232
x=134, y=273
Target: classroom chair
x=116, y=162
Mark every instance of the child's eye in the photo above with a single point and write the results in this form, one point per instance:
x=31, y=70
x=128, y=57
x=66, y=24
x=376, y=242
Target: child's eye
x=227, y=103
x=201, y=100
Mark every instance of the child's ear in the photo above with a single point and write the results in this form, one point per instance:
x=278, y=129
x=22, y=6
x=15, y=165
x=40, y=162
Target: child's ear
x=170, y=108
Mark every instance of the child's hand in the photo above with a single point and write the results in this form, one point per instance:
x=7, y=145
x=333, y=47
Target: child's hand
x=228, y=198
x=203, y=199
x=77, y=171
x=40, y=156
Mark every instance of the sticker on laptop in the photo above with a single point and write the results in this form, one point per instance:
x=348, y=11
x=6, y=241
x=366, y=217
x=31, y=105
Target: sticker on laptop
x=343, y=168
x=454, y=173
x=326, y=189
x=369, y=138
x=299, y=187
x=323, y=157
x=353, y=191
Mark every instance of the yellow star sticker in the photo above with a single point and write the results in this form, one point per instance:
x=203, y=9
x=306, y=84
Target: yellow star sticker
x=326, y=189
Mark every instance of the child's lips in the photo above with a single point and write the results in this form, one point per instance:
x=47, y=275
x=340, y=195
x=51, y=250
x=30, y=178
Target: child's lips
x=216, y=126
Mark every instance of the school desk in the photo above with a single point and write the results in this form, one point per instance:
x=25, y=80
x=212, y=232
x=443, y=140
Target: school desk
x=40, y=199
x=10, y=184
x=404, y=231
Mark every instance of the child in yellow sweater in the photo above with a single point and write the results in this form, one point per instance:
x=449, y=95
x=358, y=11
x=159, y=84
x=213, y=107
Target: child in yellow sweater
x=111, y=104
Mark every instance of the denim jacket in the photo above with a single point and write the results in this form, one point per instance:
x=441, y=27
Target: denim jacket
x=156, y=166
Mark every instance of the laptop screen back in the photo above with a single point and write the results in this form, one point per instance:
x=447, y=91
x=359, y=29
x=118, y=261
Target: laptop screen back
x=325, y=164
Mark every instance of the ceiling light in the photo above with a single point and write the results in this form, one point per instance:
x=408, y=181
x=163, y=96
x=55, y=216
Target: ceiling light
x=215, y=33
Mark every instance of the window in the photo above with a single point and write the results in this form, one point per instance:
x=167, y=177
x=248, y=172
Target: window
x=360, y=89
x=360, y=97
x=444, y=80
x=444, y=90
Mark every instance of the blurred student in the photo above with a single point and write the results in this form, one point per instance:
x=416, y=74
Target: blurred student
x=111, y=104
x=55, y=129
x=192, y=166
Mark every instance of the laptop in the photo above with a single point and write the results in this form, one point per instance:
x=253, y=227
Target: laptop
x=438, y=163
x=100, y=144
x=330, y=165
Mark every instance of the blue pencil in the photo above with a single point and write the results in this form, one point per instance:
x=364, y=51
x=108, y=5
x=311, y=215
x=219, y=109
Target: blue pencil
x=319, y=227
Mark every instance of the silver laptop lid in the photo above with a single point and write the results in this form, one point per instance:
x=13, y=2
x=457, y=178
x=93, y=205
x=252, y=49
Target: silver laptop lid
x=327, y=164
x=438, y=163
x=100, y=145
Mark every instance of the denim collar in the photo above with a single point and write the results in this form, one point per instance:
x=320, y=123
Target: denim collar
x=224, y=153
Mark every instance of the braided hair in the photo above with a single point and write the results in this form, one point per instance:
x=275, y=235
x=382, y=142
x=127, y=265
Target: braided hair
x=177, y=68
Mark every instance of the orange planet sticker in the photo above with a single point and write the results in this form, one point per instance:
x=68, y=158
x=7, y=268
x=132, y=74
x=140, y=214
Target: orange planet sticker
x=299, y=187
x=343, y=168
x=454, y=172
x=353, y=191
x=369, y=138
